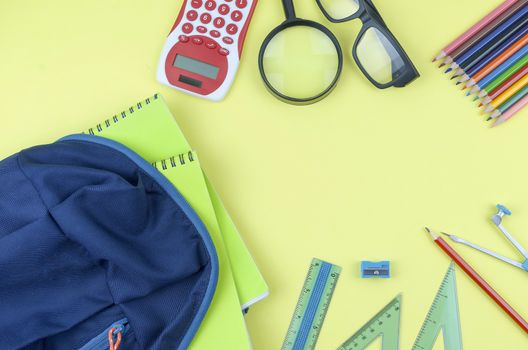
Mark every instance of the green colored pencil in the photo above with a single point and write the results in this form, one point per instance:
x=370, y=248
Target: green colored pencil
x=509, y=102
x=501, y=78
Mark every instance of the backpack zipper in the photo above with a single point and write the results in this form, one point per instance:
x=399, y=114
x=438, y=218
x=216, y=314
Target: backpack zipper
x=100, y=342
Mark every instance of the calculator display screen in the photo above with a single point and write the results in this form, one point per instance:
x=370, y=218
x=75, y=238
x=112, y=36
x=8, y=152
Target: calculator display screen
x=195, y=66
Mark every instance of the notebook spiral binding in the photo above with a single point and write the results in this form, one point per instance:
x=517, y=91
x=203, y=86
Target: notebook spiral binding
x=117, y=117
x=173, y=161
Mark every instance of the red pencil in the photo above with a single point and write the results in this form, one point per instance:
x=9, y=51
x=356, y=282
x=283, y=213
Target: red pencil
x=479, y=280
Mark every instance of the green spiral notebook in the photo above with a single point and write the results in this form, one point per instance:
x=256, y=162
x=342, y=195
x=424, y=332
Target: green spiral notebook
x=149, y=129
x=224, y=323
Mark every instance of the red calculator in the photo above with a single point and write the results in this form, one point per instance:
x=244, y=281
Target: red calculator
x=203, y=49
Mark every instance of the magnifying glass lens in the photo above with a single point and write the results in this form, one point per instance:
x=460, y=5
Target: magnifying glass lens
x=300, y=62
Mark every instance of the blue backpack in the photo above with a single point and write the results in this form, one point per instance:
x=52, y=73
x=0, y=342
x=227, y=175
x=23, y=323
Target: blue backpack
x=98, y=251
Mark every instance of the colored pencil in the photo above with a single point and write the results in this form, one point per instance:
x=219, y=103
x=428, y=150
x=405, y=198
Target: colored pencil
x=514, y=8
x=500, y=66
x=491, y=59
x=505, y=85
x=513, y=23
x=496, y=57
x=485, y=286
x=474, y=29
x=493, y=81
x=511, y=112
x=515, y=88
x=509, y=103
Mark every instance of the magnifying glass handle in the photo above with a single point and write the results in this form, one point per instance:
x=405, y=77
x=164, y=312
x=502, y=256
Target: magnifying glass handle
x=289, y=11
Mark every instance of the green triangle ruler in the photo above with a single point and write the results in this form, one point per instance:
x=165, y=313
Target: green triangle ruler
x=443, y=315
x=385, y=324
x=311, y=308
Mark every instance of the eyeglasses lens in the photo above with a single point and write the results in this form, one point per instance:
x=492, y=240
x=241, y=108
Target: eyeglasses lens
x=378, y=56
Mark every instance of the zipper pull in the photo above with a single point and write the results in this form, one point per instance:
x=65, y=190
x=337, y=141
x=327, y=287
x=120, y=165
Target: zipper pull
x=111, y=344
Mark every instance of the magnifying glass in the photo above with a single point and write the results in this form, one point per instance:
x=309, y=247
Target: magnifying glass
x=300, y=60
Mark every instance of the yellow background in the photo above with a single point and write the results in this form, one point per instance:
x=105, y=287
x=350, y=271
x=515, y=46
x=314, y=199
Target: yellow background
x=355, y=176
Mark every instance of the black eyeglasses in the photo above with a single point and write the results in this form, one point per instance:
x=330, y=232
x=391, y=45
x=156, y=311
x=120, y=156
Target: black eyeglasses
x=376, y=51
x=300, y=60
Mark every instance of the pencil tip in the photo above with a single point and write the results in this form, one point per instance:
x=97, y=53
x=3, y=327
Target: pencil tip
x=434, y=236
x=458, y=82
x=441, y=65
x=498, y=122
x=488, y=119
x=479, y=105
x=448, y=70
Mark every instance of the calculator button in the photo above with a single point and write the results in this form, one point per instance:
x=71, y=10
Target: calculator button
x=241, y=3
x=223, y=52
x=205, y=18
x=227, y=40
x=201, y=29
x=231, y=29
x=215, y=33
x=219, y=22
x=187, y=28
x=183, y=38
x=236, y=15
x=196, y=3
x=197, y=41
x=223, y=9
x=210, y=45
x=210, y=5
x=192, y=15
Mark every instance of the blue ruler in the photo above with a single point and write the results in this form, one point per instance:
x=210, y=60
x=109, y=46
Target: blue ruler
x=312, y=306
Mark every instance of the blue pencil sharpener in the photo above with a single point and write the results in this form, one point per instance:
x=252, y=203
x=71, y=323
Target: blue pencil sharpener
x=370, y=269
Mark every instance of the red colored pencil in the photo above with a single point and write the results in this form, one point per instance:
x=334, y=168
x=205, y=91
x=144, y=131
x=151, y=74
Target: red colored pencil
x=479, y=280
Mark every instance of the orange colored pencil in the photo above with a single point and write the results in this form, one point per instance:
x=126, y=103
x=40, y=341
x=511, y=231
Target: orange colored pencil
x=498, y=60
x=512, y=90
